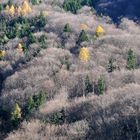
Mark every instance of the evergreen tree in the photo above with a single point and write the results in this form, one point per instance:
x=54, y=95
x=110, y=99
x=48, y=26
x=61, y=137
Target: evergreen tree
x=39, y=99
x=1, y=7
x=34, y=102
x=42, y=41
x=3, y=39
x=67, y=28
x=82, y=37
x=101, y=85
x=86, y=2
x=88, y=86
x=111, y=65
x=72, y=5
x=25, y=29
x=58, y=118
x=11, y=32
x=30, y=105
x=31, y=38
x=35, y=2
x=131, y=60
x=40, y=21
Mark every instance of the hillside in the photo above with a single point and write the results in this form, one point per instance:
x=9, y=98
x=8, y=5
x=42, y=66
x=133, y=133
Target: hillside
x=68, y=74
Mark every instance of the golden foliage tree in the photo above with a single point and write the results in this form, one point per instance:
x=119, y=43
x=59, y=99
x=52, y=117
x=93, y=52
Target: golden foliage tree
x=99, y=31
x=10, y=9
x=7, y=8
x=84, y=54
x=2, y=53
x=25, y=8
x=19, y=10
x=20, y=48
x=16, y=113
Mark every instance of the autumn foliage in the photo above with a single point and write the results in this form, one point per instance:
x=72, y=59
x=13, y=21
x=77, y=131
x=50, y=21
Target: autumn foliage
x=84, y=54
x=24, y=9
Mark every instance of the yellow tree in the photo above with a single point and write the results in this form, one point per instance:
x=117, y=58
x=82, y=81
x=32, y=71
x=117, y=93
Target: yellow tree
x=2, y=53
x=25, y=9
x=7, y=9
x=19, y=10
x=12, y=10
x=99, y=31
x=16, y=113
x=84, y=54
x=20, y=48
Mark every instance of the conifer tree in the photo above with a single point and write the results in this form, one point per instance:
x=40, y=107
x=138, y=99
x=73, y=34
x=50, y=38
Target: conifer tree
x=72, y=5
x=39, y=99
x=40, y=20
x=111, y=65
x=131, y=60
x=34, y=2
x=31, y=39
x=67, y=28
x=30, y=105
x=88, y=86
x=82, y=37
x=1, y=7
x=101, y=85
x=42, y=41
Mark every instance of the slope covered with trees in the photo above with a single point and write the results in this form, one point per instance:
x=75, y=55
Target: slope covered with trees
x=67, y=73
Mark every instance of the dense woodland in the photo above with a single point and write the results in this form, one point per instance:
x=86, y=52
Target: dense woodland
x=69, y=70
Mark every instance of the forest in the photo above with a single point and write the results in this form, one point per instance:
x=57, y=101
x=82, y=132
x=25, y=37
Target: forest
x=69, y=70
